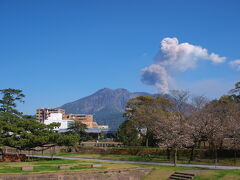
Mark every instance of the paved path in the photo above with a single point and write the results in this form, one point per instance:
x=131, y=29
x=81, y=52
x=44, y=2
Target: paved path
x=139, y=162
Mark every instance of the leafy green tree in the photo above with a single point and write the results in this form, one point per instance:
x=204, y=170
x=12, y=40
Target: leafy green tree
x=144, y=111
x=164, y=119
x=128, y=134
x=9, y=100
x=79, y=129
x=24, y=133
x=67, y=139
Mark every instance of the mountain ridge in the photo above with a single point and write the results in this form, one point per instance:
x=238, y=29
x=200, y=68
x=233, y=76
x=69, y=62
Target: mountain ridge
x=106, y=104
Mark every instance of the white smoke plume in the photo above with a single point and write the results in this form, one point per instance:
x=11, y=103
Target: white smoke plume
x=175, y=57
x=156, y=75
x=235, y=64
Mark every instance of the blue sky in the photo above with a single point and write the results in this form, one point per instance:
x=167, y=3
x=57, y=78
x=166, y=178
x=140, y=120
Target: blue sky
x=61, y=50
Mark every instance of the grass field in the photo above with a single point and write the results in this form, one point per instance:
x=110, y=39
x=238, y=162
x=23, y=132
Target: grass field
x=226, y=162
x=158, y=172
x=219, y=174
x=40, y=165
x=161, y=173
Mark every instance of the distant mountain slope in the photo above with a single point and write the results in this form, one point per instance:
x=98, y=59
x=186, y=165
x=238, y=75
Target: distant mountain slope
x=106, y=104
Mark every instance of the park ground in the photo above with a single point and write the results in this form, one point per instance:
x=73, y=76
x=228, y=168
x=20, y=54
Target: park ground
x=157, y=172
x=153, y=158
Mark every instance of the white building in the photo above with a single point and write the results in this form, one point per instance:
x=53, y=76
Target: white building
x=58, y=118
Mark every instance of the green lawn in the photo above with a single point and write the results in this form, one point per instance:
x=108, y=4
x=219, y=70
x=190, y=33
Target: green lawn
x=163, y=172
x=158, y=172
x=48, y=165
x=226, y=161
x=44, y=166
x=220, y=174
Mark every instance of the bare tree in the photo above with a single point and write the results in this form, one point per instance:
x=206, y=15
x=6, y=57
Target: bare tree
x=216, y=113
x=172, y=133
x=197, y=123
x=233, y=128
x=180, y=100
x=177, y=122
x=236, y=92
x=199, y=102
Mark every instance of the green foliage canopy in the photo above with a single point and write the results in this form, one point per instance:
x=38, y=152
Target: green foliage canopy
x=24, y=133
x=78, y=128
x=128, y=134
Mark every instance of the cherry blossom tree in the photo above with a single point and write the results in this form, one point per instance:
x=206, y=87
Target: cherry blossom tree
x=172, y=133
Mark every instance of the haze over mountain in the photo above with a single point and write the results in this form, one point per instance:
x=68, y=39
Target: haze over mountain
x=106, y=104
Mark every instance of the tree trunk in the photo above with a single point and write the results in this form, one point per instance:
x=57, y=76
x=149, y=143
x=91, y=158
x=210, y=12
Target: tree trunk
x=210, y=145
x=175, y=157
x=235, y=157
x=192, y=154
x=221, y=145
x=216, y=156
x=168, y=154
x=146, y=141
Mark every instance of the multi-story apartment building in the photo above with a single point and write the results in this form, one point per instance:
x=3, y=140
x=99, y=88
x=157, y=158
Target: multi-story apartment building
x=45, y=115
x=83, y=118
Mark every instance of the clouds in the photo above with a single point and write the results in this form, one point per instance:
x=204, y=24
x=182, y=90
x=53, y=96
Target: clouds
x=235, y=64
x=183, y=56
x=157, y=76
x=175, y=57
